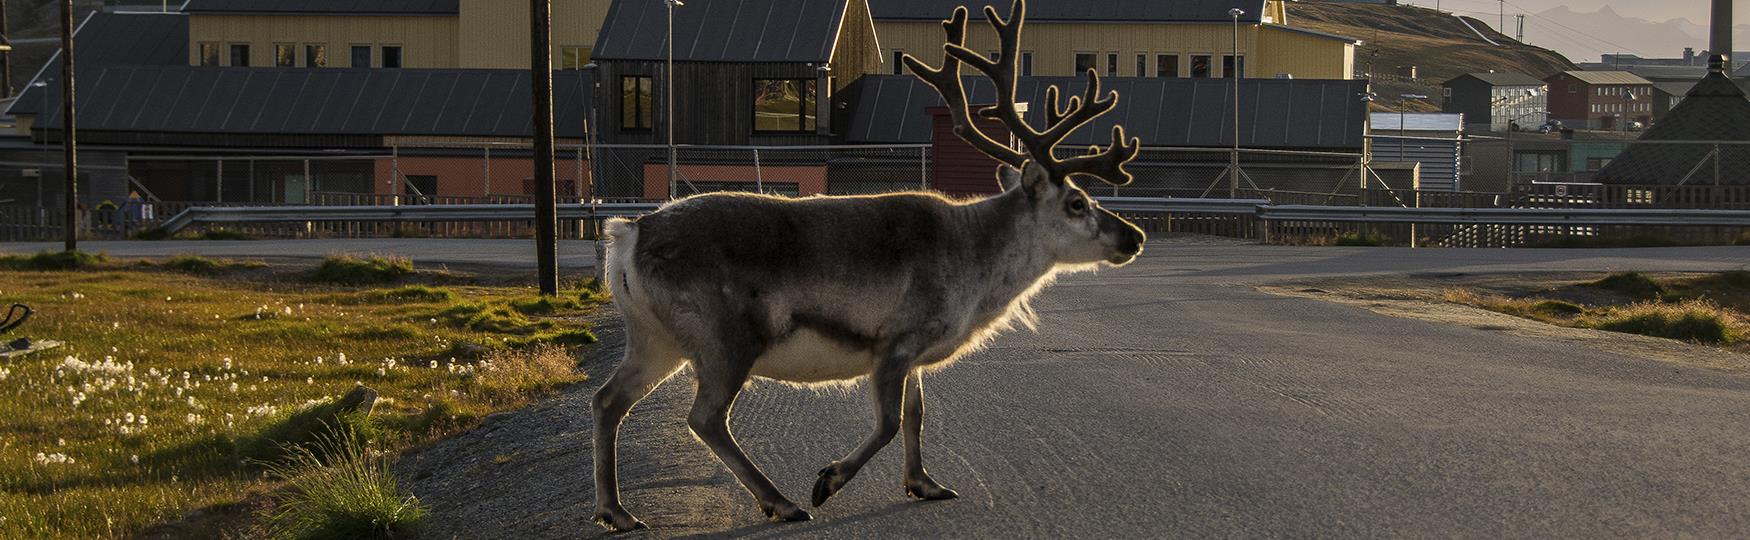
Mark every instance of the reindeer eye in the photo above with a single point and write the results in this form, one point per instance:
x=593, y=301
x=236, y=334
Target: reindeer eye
x=1078, y=205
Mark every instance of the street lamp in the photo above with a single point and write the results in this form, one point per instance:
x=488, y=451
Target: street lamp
x=1233, y=159
x=42, y=87
x=668, y=97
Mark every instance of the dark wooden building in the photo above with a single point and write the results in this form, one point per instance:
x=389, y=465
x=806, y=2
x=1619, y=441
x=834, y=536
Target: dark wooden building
x=1496, y=101
x=1606, y=100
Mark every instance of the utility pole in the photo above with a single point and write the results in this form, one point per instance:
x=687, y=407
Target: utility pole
x=1519, y=35
x=1233, y=158
x=1502, y=25
x=668, y=97
x=5, y=55
x=69, y=131
x=546, y=211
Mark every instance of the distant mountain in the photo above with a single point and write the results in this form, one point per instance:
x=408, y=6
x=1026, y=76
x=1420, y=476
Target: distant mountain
x=1587, y=36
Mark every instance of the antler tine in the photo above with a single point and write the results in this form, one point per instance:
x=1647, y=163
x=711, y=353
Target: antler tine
x=1080, y=113
x=947, y=82
x=1002, y=73
x=1107, y=165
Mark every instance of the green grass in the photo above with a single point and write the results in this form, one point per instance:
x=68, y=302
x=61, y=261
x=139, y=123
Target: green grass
x=1633, y=284
x=53, y=260
x=195, y=264
x=340, y=486
x=348, y=269
x=145, y=444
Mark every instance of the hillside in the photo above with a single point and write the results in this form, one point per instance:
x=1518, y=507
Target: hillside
x=1437, y=43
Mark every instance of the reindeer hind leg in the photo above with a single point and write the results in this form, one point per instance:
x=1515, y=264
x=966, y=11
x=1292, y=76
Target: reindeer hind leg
x=647, y=363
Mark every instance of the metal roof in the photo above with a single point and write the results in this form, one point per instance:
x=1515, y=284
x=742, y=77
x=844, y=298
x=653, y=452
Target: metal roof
x=1389, y=121
x=1500, y=79
x=346, y=7
x=1121, y=11
x=1274, y=113
x=1604, y=77
x=1714, y=110
x=111, y=39
x=724, y=30
x=303, y=101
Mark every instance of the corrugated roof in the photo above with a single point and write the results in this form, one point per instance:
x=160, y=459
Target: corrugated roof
x=1077, y=10
x=723, y=30
x=1675, y=88
x=1387, y=121
x=1501, y=79
x=1606, y=77
x=111, y=39
x=1316, y=33
x=305, y=7
x=1297, y=113
x=1714, y=110
x=301, y=101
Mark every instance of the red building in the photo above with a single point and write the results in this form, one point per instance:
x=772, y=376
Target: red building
x=1610, y=100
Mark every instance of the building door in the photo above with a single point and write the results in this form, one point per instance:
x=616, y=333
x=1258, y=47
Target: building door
x=297, y=189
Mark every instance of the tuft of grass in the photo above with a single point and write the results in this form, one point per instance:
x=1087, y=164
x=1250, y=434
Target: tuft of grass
x=1691, y=320
x=484, y=317
x=304, y=429
x=53, y=260
x=1736, y=278
x=1558, y=308
x=348, y=269
x=422, y=294
x=341, y=487
x=575, y=337
x=544, y=305
x=1353, y=239
x=1633, y=284
x=195, y=264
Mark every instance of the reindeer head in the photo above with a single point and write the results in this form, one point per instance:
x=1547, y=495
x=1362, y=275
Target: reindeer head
x=1072, y=226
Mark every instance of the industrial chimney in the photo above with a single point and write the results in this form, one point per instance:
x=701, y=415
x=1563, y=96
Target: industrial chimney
x=1720, y=40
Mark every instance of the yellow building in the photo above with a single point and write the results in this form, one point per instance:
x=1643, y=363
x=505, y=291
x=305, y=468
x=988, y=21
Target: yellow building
x=1124, y=38
x=1132, y=38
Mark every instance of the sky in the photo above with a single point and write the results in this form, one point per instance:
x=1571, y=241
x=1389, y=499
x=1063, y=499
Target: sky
x=1652, y=10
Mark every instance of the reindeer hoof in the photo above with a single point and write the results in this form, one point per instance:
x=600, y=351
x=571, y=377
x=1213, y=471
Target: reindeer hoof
x=618, y=520
x=927, y=489
x=831, y=480
x=785, y=511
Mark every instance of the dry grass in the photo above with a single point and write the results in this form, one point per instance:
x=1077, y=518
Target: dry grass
x=1698, y=319
x=141, y=416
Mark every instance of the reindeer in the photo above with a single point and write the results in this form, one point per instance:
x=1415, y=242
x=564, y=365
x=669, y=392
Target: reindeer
x=821, y=290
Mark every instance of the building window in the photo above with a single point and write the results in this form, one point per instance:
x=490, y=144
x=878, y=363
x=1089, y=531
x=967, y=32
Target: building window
x=1111, y=64
x=315, y=55
x=240, y=54
x=1141, y=65
x=1084, y=62
x=1026, y=63
x=361, y=56
x=209, y=53
x=783, y=105
x=392, y=56
x=1200, y=66
x=635, y=102
x=995, y=56
x=426, y=185
x=1166, y=65
x=285, y=55
x=1229, y=69
x=898, y=62
x=573, y=57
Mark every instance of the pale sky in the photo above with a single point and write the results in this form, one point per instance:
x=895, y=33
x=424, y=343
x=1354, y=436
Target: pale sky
x=1653, y=10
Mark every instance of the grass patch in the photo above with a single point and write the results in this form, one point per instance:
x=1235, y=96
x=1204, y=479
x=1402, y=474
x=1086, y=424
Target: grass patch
x=53, y=260
x=410, y=294
x=340, y=487
x=302, y=430
x=195, y=264
x=348, y=269
x=196, y=384
x=545, y=305
x=1633, y=284
x=1355, y=239
x=1691, y=320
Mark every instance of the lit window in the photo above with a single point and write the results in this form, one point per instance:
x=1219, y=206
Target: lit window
x=285, y=55
x=573, y=57
x=783, y=105
x=635, y=102
x=315, y=55
x=209, y=53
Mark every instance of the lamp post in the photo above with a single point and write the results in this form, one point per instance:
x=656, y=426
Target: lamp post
x=69, y=128
x=1233, y=158
x=668, y=98
x=1402, y=100
x=42, y=87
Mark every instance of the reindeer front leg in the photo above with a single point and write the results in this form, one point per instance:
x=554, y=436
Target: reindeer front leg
x=888, y=385
x=917, y=482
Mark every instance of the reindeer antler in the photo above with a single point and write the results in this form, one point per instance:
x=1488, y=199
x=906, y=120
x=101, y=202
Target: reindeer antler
x=947, y=83
x=1107, y=165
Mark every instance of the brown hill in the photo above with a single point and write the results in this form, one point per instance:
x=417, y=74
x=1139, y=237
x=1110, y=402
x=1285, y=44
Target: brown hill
x=1438, y=44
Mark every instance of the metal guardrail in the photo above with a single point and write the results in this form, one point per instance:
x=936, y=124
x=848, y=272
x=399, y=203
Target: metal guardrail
x=1260, y=208
x=1508, y=216
x=394, y=214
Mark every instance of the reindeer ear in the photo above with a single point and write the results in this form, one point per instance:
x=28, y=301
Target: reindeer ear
x=1008, y=177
